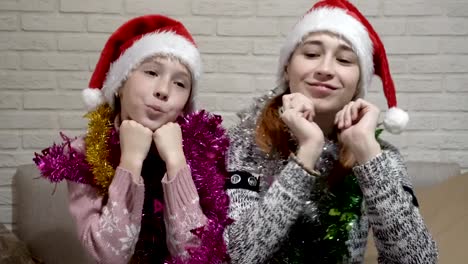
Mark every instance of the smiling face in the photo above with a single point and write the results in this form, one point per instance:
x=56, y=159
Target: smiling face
x=325, y=69
x=156, y=92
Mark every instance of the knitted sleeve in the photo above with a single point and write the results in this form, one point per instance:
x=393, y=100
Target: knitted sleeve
x=261, y=223
x=108, y=229
x=399, y=230
x=183, y=213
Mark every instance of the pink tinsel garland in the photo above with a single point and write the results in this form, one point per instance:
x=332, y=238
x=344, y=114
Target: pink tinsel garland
x=61, y=162
x=205, y=144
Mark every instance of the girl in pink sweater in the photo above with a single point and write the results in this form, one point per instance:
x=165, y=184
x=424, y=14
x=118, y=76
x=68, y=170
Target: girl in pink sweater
x=146, y=182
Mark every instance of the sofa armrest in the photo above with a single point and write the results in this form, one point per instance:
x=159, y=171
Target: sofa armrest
x=43, y=220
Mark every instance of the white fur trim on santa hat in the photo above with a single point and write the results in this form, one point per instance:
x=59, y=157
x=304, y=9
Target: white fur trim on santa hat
x=337, y=21
x=165, y=43
x=395, y=120
x=92, y=98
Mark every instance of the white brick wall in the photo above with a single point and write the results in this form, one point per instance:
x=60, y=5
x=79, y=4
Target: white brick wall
x=48, y=49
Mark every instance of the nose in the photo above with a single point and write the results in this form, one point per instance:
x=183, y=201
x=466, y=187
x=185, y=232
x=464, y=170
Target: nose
x=325, y=70
x=161, y=90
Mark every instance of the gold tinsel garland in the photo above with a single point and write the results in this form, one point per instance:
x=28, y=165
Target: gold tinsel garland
x=97, y=151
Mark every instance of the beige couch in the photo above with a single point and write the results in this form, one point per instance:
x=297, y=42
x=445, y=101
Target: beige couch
x=42, y=219
x=444, y=207
x=44, y=224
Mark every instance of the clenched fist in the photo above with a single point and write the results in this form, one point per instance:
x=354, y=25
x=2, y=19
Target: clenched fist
x=135, y=142
x=168, y=141
x=298, y=114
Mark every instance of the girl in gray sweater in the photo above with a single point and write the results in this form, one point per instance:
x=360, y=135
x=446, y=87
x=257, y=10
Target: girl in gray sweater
x=309, y=174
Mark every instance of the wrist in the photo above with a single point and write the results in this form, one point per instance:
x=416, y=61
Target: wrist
x=310, y=170
x=308, y=156
x=133, y=165
x=365, y=150
x=175, y=163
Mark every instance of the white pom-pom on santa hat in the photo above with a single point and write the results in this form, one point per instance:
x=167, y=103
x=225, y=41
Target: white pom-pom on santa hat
x=92, y=98
x=344, y=19
x=395, y=120
x=132, y=43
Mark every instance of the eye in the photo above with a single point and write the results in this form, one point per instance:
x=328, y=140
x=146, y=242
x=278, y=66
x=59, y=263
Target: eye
x=311, y=55
x=180, y=84
x=344, y=61
x=152, y=73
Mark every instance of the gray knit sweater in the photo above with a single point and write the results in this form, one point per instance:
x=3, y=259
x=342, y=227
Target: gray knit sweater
x=264, y=218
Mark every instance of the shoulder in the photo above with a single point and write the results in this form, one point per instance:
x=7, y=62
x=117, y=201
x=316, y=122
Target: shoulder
x=243, y=131
x=243, y=153
x=395, y=162
x=391, y=152
x=201, y=121
x=387, y=146
x=203, y=132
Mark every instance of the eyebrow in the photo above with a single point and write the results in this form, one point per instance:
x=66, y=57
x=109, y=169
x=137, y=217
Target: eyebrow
x=155, y=61
x=320, y=43
x=152, y=61
x=183, y=74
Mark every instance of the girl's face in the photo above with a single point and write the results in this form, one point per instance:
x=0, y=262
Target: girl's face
x=325, y=69
x=156, y=92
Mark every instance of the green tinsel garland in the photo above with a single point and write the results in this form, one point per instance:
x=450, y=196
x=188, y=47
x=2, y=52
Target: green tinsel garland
x=343, y=205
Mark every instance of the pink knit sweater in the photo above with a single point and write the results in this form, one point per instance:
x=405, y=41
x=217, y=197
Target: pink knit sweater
x=109, y=231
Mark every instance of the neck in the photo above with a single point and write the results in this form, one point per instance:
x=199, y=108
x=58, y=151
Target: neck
x=326, y=122
x=154, y=167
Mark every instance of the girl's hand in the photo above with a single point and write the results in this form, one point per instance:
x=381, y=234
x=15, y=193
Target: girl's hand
x=168, y=141
x=298, y=114
x=135, y=142
x=357, y=122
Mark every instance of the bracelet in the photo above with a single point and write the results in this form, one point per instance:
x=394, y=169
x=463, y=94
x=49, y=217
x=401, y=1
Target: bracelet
x=311, y=172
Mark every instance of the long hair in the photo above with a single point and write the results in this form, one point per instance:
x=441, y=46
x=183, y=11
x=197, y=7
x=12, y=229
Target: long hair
x=272, y=135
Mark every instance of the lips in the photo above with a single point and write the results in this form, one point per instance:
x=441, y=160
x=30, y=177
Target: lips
x=320, y=90
x=323, y=85
x=155, y=108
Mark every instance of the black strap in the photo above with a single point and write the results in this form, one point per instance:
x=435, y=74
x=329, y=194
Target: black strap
x=410, y=191
x=242, y=180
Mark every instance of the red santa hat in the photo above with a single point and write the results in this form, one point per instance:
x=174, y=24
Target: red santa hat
x=344, y=19
x=132, y=43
